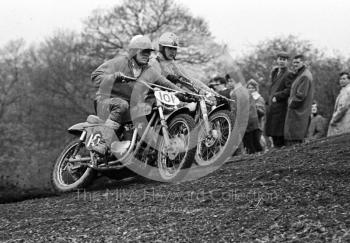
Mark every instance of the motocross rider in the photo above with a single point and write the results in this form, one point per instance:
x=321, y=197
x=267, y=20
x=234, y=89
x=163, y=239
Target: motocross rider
x=165, y=63
x=113, y=94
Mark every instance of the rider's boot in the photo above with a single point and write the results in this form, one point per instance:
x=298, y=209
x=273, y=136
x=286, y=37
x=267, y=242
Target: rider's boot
x=118, y=148
x=108, y=132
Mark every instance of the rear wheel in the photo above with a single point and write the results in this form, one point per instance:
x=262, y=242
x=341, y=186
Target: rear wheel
x=173, y=162
x=215, y=146
x=68, y=176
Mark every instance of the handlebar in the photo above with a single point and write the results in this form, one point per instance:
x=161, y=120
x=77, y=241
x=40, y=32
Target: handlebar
x=125, y=78
x=189, y=83
x=183, y=81
x=184, y=96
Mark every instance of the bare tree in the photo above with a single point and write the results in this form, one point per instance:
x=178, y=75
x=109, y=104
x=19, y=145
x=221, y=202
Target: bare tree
x=11, y=63
x=109, y=31
x=60, y=91
x=63, y=71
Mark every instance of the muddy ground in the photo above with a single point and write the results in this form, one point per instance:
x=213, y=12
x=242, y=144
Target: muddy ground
x=296, y=194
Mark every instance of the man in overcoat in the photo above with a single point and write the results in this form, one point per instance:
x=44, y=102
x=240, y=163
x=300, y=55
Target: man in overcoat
x=340, y=122
x=299, y=103
x=278, y=100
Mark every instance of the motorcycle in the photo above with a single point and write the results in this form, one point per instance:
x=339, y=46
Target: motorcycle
x=216, y=121
x=157, y=135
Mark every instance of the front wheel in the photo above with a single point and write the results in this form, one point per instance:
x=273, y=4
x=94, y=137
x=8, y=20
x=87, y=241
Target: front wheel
x=69, y=176
x=174, y=162
x=217, y=145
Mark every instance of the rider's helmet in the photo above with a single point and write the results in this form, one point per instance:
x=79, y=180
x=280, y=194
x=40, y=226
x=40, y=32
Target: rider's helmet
x=168, y=39
x=139, y=42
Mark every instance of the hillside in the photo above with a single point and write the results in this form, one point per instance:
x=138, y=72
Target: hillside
x=297, y=194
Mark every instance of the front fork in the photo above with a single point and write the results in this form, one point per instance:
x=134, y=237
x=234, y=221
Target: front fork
x=81, y=139
x=210, y=132
x=163, y=124
x=204, y=112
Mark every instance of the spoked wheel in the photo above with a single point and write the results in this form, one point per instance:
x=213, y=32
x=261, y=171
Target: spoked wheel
x=68, y=176
x=173, y=161
x=216, y=145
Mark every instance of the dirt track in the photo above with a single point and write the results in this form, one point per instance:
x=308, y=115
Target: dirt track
x=299, y=194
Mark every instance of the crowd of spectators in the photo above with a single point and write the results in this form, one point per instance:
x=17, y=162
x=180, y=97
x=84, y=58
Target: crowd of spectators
x=289, y=115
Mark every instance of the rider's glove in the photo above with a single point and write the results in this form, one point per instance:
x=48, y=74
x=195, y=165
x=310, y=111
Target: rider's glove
x=182, y=97
x=118, y=77
x=178, y=79
x=185, y=97
x=184, y=80
x=172, y=78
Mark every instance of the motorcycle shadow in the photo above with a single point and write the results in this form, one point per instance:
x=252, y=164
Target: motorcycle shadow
x=119, y=179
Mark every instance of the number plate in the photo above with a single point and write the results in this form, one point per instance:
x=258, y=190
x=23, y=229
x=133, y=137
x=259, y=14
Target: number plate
x=167, y=98
x=94, y=140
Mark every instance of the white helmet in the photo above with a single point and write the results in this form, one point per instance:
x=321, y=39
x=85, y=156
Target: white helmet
x=169, y=39
x=141, y=42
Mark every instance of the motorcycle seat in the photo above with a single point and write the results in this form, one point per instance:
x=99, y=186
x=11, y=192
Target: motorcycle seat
x=94, y=119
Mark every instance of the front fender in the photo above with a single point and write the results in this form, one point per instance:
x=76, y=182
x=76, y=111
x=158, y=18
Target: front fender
x=183, y=110
x=78, y=128
x=220, y=107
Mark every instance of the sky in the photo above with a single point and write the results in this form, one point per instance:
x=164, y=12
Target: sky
x=238, y=23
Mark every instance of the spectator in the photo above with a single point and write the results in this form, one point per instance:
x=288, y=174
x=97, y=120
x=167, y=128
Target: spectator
x=340, y=122
x=317, y=127
x=219, y=85
x=212, y=84
x=253, y=88
x=278, y=100
x=251, y=138
x=299, y=103
x=234, y=91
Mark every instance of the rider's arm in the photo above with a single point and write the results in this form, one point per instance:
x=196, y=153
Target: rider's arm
x=201, y=86
x=103, y=75
x=196, y=83
x=160, y=80
x=164, y=82
x=106, y=74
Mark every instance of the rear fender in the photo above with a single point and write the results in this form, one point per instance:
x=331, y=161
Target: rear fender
x=78, y=128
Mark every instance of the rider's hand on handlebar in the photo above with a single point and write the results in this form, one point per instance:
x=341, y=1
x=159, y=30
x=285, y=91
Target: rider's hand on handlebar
x=118, y=76
x=210, y=98
x=178, y=79
x=185, y=98
x=182, y=97
x=172, y=78
x=121, y=78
